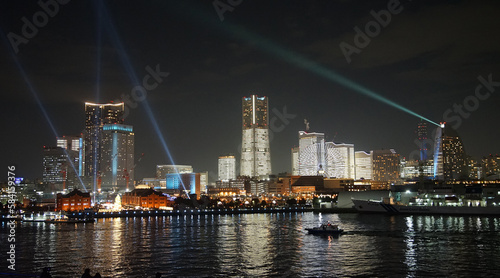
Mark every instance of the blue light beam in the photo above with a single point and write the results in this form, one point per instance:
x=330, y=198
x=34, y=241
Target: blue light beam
x=31, y=88
x=115, y=39
x=242, y=34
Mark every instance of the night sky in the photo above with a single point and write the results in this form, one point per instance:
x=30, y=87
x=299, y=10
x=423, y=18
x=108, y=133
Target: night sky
x=427, y=58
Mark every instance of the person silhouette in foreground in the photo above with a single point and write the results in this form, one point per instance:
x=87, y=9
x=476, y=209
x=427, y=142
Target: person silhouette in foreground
x=46, y=273
x=97, y=275
x=86, y=274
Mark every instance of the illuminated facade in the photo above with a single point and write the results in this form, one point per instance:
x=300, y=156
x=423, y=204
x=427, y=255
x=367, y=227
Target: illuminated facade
x=363, y=165
x=450, y=161
x=491, y=165
x=227, y=168
x=340, y=160
x=74, y=144
x=386, y=166
x=422, y=139
x=73, y=201
x=117, y=157
x=188, y=183
x=203, y=182
x=96, y=116
x=163, y=170
x=146, y=198
x=295, y=161
x=54, y=165
x=255, y=150
x=415, y=169
x=312, y=157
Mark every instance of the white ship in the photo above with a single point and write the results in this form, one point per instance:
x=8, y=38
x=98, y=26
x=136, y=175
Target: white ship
x=452, y=208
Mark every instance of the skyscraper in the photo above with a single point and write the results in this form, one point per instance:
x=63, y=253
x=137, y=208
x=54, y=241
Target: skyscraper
x=386, y=166
x=117, y=157
x=311, y=153
x=340, y=160
x=255, y=151
x=55, y=166
x=364, y=165
x=96, y=116
x=295, y=161
x=73, y=144
x=227, y=168
x=449, y=155
x=422, y=139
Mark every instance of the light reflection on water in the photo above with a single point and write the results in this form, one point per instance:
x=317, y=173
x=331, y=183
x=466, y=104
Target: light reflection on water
x=263, y=245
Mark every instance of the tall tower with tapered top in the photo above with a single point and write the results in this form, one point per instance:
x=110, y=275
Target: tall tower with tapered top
x=255, y=151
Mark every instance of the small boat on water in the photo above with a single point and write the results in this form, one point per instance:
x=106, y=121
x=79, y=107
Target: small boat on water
x=327, y=228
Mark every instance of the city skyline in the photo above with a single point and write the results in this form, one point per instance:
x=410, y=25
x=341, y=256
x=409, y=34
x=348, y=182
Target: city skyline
x=435, y=74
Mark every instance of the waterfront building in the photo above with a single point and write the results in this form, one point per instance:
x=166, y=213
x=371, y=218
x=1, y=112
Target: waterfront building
x=146, y=198
x=227, y=168
x=416, y=169
x=216, y=191
x=96, y=116
x=163, y=170
x=279, y=186
x=255, y=149
x=256, y=187
x=475, y=169
x=203, y=182
x=386, y=167
x=363, y=162
x=57, y=170
x=155, y=183
x=491, y=165
x=117, y=157
x=236, y=183
x=295, y=161
x=312, y=158
x=73, y=201
x=340, y=161
x=450, y=161
x=186, y=183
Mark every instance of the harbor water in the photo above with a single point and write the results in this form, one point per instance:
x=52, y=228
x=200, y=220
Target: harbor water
x=260, y=245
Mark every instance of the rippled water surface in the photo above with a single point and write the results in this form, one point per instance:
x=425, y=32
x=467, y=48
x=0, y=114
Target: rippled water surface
x=260, y=245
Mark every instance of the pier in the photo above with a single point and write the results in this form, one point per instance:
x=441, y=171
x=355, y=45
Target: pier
x=187, y=211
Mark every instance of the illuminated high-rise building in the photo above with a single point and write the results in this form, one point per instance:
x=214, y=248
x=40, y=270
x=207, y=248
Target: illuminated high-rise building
x=415, y=169
x=450, y=161
x=312, y=158
x=295, y=161
x=96, y=116
x=386, y=166
x=55, y=165
x=364, y=165
x=422, y=139
x=75, y=145
x=227, y=168
x=339, y=160
x=255, y=150
x=203, y=182
x=491, y=165
x=117, y=157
